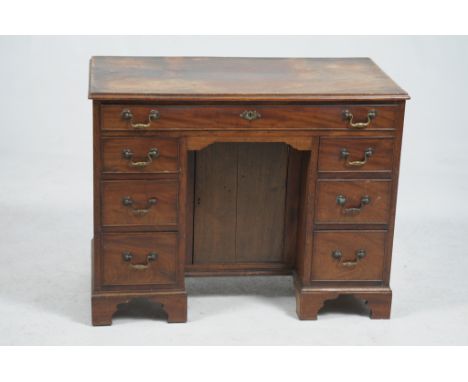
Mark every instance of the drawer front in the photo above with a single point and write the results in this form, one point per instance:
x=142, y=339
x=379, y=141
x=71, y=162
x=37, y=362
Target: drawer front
x=140, y=203
x=140, y=155
x=139, y=258
x=348, y=256
x=157, y=118
x=353, y=201
x=356, y=154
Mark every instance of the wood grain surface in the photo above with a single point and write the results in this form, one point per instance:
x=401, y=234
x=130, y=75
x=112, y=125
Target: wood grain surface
x=162, y=213
x=233, y=78
x=216, y=117
x=377, y=211
x=330, y=158
x=162, y=271
x=240, y=207
x=325, y=267
x=215, y=204
x=238, y=196
x=113, y=160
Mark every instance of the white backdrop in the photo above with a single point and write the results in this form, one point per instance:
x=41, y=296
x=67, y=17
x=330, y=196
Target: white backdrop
x=46, y=200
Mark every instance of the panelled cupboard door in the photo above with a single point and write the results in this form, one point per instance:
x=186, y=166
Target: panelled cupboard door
x=261, y=193
x=240, y=207
x=215, y=204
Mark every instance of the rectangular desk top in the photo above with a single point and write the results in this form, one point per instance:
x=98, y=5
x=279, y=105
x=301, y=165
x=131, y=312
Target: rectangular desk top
x=240, y=79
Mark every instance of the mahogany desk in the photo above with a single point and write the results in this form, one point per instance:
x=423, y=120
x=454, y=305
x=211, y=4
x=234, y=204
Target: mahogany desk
x=243, y=166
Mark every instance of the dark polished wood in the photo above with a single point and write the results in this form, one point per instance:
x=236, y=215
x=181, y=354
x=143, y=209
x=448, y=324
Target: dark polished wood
x=215, y=204
x=105, y=305
x=332, y=160
x=140, y=203
x=209, y=117
x=114, y=161
x=376, y=211
x=243, y=166
x=349, y=266
x=261, y=198
x=139, y=270
x=239, y=208
x=309, y=301
x=229, y=78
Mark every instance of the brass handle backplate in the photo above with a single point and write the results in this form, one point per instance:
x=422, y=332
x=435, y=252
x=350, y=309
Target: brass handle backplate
x=338, y=255
x=128, y=257
x=128, y=155
x=341, y=201
x=348, y=116
x=128, y=202
x=127, y=115
x=250, y=115
x=344, y=154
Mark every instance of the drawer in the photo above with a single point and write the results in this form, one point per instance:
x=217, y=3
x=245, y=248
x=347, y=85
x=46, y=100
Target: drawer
x=210, y=117
x=140, y=155
x=355, y=154
x=348, y=256
x=139, y=258
x=353, y=201
x=140, y=203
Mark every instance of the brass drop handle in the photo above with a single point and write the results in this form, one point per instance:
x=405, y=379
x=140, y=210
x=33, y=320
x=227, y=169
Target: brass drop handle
x=128, y=155
x=128, y=257
x=348, y=116
x=250, y=115
x=344, y=154
x=128, y=202
x=128, y=116
x=359, y=255
x=341, y=201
